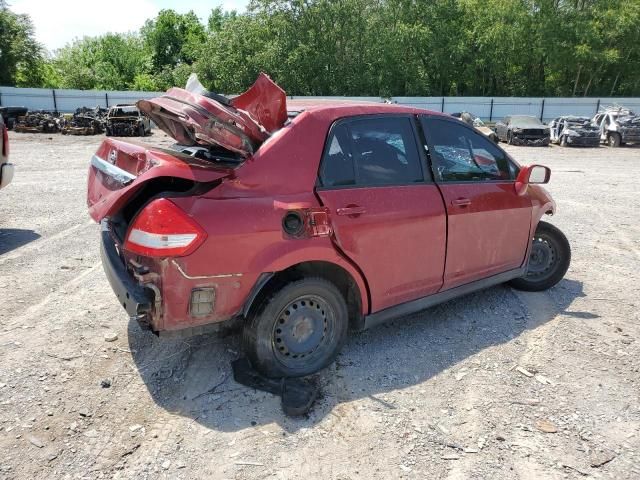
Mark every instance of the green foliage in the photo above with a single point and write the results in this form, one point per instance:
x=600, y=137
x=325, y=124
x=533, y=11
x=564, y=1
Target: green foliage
x=22, y=61
x=357, y=47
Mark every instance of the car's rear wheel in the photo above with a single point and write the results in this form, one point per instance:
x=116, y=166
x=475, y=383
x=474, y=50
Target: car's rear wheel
x=549, y=259
x=614, y=140
x=297, y=330
x=563, y=141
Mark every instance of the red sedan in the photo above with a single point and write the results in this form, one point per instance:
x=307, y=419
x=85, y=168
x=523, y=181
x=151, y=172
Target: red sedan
x=302, y=219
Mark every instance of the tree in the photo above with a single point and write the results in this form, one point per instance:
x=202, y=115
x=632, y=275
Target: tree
x=22, y=58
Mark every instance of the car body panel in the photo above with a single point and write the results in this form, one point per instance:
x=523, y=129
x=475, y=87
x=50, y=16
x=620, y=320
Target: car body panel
x=240, y=125
x=487, y=236
x=398, y=242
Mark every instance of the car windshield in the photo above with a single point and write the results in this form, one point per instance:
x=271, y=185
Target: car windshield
x=125, y=112
x=477, y=122
x=525, y=121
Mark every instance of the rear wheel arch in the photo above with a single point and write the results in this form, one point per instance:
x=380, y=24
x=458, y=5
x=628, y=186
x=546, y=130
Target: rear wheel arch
x=342, y=279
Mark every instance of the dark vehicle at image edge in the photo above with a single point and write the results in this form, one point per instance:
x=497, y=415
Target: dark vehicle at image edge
x=303, y=218
x=523, y=130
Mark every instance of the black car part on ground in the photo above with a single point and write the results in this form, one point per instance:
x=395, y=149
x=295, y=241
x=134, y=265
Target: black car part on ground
x=38, y=121
x=85, y=121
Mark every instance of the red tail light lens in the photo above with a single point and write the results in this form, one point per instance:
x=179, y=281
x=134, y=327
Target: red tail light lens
x=162, y=229
x=5, y=141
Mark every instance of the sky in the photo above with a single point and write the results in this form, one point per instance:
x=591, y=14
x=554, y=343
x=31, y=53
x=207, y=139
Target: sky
x=58, y=22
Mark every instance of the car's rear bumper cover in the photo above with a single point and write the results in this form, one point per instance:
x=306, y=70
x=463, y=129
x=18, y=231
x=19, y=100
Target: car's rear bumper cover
x=136, y=299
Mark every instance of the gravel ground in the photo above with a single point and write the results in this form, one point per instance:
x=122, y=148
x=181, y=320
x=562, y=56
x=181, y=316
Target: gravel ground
x=499, y=384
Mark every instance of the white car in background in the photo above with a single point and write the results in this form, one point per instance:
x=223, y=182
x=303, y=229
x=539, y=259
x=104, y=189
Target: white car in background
x=618, y=126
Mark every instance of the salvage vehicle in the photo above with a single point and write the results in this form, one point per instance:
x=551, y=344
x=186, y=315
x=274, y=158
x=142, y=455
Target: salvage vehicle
x=6, y=168
x=478, y=124
x=10, y=115
x=299, y=219
x=618, y=126
x=38, y=121
x=523, y=130
x=127, y=121
x=85, y=121
x=574, y=131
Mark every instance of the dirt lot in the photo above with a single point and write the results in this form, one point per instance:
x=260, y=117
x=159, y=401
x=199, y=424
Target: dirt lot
x=443, y=394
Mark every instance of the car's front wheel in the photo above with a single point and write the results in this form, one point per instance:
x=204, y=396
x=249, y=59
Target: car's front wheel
x=614, y=140
x=549, y=259
x=297, y=330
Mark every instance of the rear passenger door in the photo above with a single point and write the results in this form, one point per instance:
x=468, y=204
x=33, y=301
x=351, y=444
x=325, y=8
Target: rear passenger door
x=488, y=223
x=386, y=212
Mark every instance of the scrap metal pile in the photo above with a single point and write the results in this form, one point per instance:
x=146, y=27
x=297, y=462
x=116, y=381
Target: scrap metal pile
x=85, y=121
x=38, y=121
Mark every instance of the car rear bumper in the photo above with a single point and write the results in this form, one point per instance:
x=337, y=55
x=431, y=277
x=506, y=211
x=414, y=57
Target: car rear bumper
x=6, y=174
x=161, y=296
x=137, y=300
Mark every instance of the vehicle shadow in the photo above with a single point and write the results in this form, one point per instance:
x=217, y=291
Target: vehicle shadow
x=193, y=377
x=12, y=238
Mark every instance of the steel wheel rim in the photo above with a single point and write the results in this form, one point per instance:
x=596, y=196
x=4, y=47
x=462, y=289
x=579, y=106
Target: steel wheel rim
x=543, y=258
x=302, y=331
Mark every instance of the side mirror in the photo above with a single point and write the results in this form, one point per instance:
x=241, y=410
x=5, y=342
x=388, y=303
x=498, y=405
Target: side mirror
x=531, y=175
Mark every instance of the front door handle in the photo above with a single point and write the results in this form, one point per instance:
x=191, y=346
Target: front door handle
x=351, y=210
x=461, y=202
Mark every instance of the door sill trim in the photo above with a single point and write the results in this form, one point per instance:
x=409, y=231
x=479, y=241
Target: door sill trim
x=423, y=303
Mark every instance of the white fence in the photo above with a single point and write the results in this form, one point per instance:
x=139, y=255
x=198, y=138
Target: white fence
x=487, y=108
x=66, y=100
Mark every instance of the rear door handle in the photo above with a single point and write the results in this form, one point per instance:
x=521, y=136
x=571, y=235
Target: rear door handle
x=461, y=202
x=351, y=210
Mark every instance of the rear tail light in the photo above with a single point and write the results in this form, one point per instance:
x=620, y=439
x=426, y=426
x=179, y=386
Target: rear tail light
x=5, y=141
x=162, y=229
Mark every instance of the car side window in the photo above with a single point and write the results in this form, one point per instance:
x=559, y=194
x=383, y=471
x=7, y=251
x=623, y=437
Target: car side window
x=371, y=151
x=337, y=164
x=459, y=154
x=385, y=151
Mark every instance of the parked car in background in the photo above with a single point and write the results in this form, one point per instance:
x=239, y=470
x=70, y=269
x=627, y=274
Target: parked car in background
x=523, y=130
x=618, y=126
x=302, y=218
x=471, y=119
x=574, y=131
x=127, y=121
x=6, y=168
x=10, y=115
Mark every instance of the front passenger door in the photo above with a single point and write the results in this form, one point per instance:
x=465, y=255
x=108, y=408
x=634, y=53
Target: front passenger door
x=488, y=223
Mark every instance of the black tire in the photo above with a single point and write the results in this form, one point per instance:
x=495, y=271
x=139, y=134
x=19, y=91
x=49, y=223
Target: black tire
x=509, y=138
x=614, y=140
x=548, y=261
x=141, y=131
x=563, y=141
x=311, y=308
x=107, y=132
